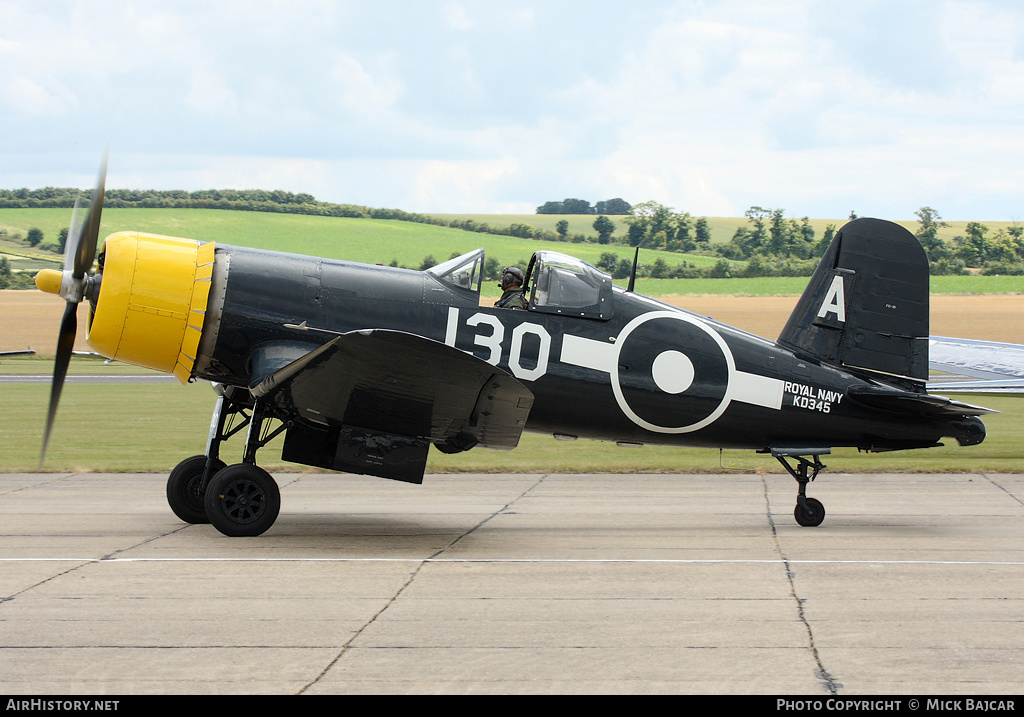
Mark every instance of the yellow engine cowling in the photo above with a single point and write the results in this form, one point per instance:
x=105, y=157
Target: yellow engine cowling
x=152, y=301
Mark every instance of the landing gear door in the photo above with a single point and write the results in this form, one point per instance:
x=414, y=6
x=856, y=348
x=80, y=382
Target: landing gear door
x=564, y=285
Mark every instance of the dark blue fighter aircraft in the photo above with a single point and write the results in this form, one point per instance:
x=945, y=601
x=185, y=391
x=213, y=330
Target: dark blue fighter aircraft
x=365, y=367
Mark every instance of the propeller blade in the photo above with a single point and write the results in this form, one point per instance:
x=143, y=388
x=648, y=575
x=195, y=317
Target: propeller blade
x=74, y=240
x=83, y=235
x=65, y=346
x=79, y=253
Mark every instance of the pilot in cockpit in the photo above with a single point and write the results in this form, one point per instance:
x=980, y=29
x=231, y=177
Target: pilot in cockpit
x=512, y=286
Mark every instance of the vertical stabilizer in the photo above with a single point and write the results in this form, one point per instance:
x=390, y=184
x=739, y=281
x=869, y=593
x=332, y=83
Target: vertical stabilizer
x=866, y=305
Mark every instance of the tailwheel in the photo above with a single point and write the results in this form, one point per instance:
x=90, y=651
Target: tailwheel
x=242, y=500
x=810, y=514
x=184, y=489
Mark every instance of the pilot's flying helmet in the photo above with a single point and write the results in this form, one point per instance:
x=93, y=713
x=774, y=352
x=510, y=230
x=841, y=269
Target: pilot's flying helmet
x=511, y=276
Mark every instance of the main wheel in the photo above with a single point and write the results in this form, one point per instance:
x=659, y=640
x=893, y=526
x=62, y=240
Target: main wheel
x=811, y=517
x=242, y=500
x=183, y=494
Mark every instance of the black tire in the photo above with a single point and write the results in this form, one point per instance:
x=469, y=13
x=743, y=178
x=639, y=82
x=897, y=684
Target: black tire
x=242, y=500
x=183, y=489
x=811, y=517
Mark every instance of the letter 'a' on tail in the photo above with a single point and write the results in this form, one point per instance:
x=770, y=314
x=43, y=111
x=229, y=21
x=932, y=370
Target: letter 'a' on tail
x=866, y=305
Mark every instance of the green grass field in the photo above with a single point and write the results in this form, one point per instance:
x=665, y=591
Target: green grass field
x=381, y=241
x=369, y=241
x=151, y=427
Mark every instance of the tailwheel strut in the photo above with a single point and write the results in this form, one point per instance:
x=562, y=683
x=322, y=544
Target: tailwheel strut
x=809, y=512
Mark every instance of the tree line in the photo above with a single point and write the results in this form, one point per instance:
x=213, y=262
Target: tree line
x=770, y=244
x=612, y=207
x=258, y=200
x=1000, y=253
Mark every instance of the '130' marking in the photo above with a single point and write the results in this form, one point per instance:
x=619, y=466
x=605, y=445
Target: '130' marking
x=490, y=334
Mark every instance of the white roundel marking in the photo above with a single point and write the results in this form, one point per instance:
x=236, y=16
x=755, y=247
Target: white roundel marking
x=673, y=372
x=617, y=387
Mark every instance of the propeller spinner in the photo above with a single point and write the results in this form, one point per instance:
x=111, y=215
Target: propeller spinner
x=73, y=284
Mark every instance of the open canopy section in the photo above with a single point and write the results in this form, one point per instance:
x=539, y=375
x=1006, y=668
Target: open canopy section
x=565, y=285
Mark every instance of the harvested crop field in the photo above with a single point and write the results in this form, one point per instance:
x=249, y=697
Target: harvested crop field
x=30, y=319
x=986, y=317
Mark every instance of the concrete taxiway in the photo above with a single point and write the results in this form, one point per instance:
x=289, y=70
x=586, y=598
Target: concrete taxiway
x=914, y=585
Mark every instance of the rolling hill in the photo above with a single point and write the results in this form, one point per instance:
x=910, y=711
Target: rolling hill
x=379, y=241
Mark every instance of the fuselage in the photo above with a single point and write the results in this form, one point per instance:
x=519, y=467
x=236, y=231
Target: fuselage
x=646, y=372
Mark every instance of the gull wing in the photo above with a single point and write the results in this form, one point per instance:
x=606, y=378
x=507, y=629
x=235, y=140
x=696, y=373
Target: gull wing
x=394, y=383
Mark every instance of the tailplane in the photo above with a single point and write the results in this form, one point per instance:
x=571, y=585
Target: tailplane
x=866, y=305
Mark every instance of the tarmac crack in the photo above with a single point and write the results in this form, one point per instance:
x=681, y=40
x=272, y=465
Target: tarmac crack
x=52, y=479
x=489, y=518
x=86, y=563
x=410, y=579
x=1001, y=487
x=75, y=568
x=828, y=681
x=62, y=573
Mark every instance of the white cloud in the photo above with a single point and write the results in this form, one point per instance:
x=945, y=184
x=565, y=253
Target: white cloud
x=210, y=93
x=456, y=16
x=813, y=106
x=458, y=186
x=361, y=91
x=27, y=97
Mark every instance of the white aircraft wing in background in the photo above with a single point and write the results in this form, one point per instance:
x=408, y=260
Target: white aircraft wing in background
x=994, y=367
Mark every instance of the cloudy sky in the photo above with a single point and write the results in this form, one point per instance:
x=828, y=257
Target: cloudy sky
x=818, y=107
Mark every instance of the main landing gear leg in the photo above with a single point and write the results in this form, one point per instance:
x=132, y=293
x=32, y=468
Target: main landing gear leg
x=187, y=483
x=809, y=512
x=243, y=499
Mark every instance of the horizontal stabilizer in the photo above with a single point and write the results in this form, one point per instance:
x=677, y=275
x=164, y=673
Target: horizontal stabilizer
x=910, y=402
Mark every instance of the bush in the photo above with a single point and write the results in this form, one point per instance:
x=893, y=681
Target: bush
x=721, y=270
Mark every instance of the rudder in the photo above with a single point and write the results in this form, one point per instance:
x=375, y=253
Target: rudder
x=866, y=305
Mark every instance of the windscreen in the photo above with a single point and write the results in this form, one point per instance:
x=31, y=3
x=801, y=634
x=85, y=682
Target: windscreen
x=462, y=272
